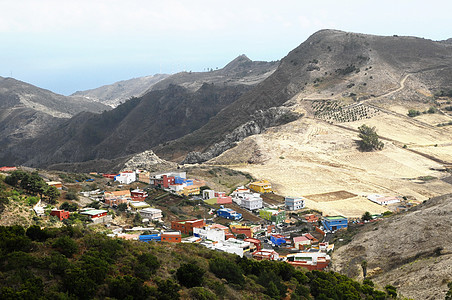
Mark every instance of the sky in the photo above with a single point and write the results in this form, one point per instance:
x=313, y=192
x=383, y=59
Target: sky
x=67, y=46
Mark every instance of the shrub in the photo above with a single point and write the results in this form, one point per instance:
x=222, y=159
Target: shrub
x=190, y=275
x=66, y=246
x=369, y=139
x=72, y=195
x=413, y=113
x=223, y=268
x=431, y=110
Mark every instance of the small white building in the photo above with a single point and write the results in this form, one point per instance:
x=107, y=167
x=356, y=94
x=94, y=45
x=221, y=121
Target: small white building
x=382, y=200
x=126, y=177
x=252, y=202
x=153, y=214
x=246, y=199
x=294, y=203
x=233, y=246
x=208, y=194
x=208, y=233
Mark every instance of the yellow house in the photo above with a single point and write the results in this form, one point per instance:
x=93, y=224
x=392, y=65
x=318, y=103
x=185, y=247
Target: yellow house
x=190, y=190
x=262, y=186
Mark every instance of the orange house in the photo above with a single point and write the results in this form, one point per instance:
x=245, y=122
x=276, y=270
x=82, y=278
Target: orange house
x=171, y=236
x=61, y=214
x=186, y=226
x=240, y=229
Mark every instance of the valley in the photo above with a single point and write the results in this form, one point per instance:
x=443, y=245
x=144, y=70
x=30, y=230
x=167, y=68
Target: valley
x=291, y=125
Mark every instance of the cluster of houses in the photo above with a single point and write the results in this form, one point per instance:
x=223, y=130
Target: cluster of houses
x=305, y=250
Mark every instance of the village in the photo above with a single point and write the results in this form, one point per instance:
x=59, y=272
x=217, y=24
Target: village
x=250, y=221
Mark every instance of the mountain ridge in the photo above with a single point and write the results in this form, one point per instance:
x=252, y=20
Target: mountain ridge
x=118, y=92
x=331, y=64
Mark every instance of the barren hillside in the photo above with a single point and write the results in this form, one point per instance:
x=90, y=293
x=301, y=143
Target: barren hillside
x=309, y=157
x=413, y=251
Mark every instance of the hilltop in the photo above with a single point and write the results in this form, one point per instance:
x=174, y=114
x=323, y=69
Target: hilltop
x=330, y=65
x=240, y=71
x=121, y=91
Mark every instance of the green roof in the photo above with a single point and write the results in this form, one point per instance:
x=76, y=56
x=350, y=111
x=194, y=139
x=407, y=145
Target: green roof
x=335, y=218
x=93, y=212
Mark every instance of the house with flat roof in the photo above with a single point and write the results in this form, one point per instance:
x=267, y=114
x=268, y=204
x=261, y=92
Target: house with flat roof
x=126, y=177
x=56, y=184
x=60, y=214
x=294, y=203
x=137, y=205
x=262, y=186
x=333, y=223
x=300, y=242
x=171, y=236
x=229, y=213
x=186, y=226
x=209, y=233
x=152, y=214
x=94, y=213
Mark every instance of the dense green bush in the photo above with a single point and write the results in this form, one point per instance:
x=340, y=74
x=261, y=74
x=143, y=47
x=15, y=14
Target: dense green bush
x=369, y=139
x=413, y=113
x=65, y=245
x=190, y=275
x=75, y=263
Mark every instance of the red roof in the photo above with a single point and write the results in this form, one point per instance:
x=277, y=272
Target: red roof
x=300, y=239
x=7, y=169
x=309, y=236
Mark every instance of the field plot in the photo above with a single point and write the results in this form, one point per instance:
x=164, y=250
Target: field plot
x=332, y=196
x=353, y=207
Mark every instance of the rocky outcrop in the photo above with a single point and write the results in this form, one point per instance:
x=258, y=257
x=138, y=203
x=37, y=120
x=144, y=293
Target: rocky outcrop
x=260, y=121
x=147, y=160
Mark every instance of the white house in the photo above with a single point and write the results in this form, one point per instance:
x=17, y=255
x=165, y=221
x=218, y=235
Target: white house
x=294, y=203
x=382, y=200
x=252, y=202
x=234, y=246
x=153, y=214
x=126, y=177
x=247, y=199
x=208, y=233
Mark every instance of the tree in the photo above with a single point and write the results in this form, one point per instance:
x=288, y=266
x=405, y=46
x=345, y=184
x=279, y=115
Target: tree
x=364, y=266
x=52, y=193
x=66, y=246
x=122, y=207
x=369, y=139
x=222, y=268
x=72, y=195
x=69, y=206
x=190, y=275
x=366, y=216
x=449, y=292
x=391, y=291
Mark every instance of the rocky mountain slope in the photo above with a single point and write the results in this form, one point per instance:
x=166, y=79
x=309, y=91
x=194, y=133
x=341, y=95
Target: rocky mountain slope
x=27, y=111
x=333, y=76
x=411, y=251
x=331, y=65
x=138, y=124
x=121, y=91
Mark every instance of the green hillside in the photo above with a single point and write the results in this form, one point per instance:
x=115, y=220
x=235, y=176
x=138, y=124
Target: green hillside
x=73, y=262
